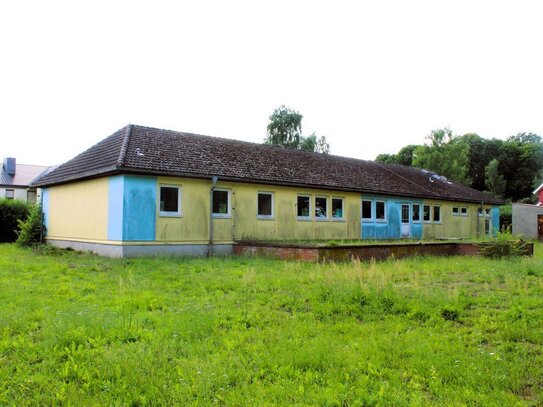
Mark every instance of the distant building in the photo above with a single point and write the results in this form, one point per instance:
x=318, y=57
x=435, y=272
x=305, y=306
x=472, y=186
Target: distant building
x=15, y=180
x=539, y=193
x=527, y=220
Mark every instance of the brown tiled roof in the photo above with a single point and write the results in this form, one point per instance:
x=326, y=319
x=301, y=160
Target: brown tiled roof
x=24, y=175
x=145, y=150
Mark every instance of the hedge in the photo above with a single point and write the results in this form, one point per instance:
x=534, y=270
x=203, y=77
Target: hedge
x=10, y=211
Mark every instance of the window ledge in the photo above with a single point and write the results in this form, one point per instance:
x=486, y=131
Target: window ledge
x=216, y=216
x=261, y=217
x=170, y=215
x=304, y=218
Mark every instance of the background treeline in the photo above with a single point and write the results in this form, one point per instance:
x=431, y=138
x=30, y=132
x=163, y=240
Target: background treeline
x=508, y=169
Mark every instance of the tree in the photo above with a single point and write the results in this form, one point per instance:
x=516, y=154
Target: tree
x=403, y=157
x=495, y=183
x=444, y=154
x=285, y=129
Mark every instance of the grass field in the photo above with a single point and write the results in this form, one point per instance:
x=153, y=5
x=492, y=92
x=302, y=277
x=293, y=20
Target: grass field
x=82, y=330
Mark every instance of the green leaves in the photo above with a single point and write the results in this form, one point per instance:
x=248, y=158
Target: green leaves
x=285, y=129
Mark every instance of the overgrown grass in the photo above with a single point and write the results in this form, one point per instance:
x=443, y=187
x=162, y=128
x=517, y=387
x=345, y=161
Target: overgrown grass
x=82, y=330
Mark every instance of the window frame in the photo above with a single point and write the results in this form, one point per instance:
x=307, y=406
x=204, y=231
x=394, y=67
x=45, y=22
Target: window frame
x=300, y=217
x=457, y=212
x=371, y=218
x=320, y=218
x=228, y=205
x=429, y=220
x=464, y=211
x=272, y=195
x=170, y=214
x=418, y=205
x=434, y=207
x=12, y=193
x=342, y=217
x=384, y=218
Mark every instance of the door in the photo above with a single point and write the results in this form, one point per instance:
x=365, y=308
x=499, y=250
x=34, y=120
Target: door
x=406, y=229
x=540, y=227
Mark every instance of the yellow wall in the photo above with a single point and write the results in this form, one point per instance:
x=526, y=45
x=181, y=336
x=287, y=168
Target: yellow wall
x=454, y=225
x=193, y=224
x=79, y=210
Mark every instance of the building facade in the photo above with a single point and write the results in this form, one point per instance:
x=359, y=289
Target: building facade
x=164, y=192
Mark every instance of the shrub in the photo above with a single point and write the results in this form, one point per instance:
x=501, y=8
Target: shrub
x=504, y=245
x=11, y=210
x=32, y=230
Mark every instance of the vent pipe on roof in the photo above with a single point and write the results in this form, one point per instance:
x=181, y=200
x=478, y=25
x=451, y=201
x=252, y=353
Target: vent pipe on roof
x=9, y=165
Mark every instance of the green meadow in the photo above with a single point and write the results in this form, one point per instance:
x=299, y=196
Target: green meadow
x=77, y=329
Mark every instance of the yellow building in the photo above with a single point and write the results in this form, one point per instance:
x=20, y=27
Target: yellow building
x=145, y=191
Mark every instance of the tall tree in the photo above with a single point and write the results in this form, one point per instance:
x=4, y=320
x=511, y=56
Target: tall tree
x=403, y=157
x=285, y=129
x=444, y=154
x=495, y=183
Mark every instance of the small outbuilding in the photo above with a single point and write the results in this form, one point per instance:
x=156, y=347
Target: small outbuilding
x=527, y=221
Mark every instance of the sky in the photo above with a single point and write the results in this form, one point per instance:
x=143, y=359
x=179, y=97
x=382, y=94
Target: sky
x=371, y=76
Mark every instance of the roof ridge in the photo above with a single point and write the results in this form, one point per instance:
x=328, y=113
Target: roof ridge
x=406, y=179
x=124, y=146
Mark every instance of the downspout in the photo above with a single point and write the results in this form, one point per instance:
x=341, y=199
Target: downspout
x=214, y=180
x=42, y=215
x=479, y=217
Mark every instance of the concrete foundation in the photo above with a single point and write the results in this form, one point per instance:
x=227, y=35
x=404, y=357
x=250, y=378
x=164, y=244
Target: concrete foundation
x=109, y=250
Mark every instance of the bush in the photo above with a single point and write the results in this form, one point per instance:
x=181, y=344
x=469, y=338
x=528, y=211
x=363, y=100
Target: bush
x=11, y=210
x=504, y=245
x=32, y=230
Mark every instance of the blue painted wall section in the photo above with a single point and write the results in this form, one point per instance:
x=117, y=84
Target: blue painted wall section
x=495, y=220
x=139, y=208
x=45, y=207
x=115, y=208
x=390, y=228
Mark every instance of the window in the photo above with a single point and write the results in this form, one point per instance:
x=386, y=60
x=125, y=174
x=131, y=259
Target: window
x=10, y=193
x=464, y=211
x=415, y=215
x=426, y=213
x=380, y=213
x=437, y=214
x=265, y=205
x=221, y=203
x=321, y=207
x=304, y=206
x=405, y=213
x=366, y=210
x=455, y=210
x=170, y=200
x=337, y=208
x=487, y=212
x=487, y=226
